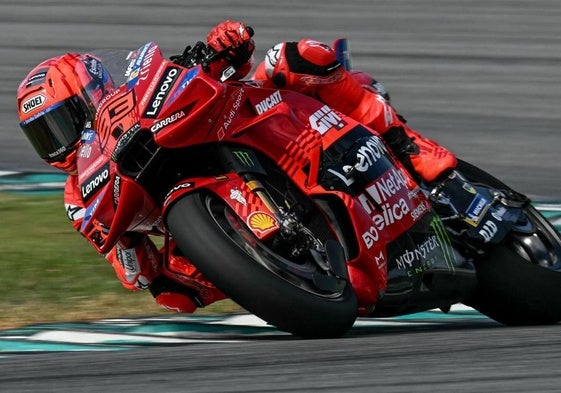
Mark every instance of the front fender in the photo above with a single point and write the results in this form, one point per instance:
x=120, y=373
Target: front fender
x=236, y=194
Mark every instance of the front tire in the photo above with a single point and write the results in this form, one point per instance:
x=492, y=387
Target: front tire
x=230, y=256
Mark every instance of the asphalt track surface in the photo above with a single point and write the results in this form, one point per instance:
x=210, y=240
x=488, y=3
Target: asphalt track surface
x=481, y=77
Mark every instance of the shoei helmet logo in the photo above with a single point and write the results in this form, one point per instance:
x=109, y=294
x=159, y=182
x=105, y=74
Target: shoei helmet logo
x=33, y=103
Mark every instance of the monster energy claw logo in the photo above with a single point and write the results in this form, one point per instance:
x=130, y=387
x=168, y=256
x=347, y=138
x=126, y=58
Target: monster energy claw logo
x=445, y=244
x=244, y=158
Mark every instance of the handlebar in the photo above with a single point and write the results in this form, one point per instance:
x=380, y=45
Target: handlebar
x=198, y=54
x=204, y=55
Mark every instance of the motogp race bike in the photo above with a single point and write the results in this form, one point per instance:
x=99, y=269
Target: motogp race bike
x=300, y=214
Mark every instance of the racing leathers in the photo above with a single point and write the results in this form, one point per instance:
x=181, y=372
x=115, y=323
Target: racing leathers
x=312, y=68
x=137, y=263
x=309, y=67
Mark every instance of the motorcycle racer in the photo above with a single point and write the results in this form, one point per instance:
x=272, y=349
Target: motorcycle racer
x=58, y=98
x=56, y=104
x=311, y=67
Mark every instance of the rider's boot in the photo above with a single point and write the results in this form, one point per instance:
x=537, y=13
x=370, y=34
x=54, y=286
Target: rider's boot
x=425, y=159
x=422, y=157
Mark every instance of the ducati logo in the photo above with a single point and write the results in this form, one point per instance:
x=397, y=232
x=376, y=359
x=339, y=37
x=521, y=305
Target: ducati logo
x=268, y=103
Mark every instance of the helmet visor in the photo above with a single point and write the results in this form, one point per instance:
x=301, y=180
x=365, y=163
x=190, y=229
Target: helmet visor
x=54, y=133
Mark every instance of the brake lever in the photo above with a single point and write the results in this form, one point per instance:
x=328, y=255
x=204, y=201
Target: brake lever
x=201, y=54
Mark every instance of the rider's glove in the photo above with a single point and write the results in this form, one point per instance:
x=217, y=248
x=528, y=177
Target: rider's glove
x=230, y=34
x=236, y=38
x=136, y=260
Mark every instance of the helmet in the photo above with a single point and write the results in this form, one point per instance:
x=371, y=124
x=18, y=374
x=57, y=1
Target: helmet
x=55, y=102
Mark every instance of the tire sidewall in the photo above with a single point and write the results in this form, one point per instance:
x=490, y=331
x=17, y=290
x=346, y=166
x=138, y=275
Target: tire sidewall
x=250, y=284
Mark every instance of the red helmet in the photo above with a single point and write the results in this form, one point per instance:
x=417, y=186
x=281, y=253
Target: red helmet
x=56, y=101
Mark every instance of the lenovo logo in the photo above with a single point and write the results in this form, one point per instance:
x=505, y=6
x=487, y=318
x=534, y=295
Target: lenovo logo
x=162, y=90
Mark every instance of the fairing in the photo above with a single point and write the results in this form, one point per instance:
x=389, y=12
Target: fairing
x=179, y=113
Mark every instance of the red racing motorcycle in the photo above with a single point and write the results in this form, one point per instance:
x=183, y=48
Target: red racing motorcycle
x=300, y=214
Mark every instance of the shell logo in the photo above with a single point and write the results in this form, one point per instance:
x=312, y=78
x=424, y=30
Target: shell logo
x=261, y=222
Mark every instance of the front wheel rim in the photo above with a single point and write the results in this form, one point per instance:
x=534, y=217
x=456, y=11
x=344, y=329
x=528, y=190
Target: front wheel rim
x=305, y=275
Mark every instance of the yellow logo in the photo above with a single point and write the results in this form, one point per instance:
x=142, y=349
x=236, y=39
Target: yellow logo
x=261, y=221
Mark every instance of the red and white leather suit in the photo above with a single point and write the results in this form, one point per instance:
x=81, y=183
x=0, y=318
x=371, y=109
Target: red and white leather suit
x=137, y=262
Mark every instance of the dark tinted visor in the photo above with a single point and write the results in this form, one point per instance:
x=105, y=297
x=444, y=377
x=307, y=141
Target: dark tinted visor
x=54, y=132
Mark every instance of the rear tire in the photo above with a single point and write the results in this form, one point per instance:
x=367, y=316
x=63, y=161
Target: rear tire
x=230, y=256
x=513, y=291
x=519, y=281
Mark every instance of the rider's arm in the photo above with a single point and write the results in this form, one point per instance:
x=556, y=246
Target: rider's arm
x=135, y=258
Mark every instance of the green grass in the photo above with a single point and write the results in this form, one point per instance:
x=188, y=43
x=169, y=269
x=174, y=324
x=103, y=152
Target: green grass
x=50, y=273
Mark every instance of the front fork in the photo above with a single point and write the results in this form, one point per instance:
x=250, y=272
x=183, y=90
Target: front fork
x=329, y=257
x=246, y=163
